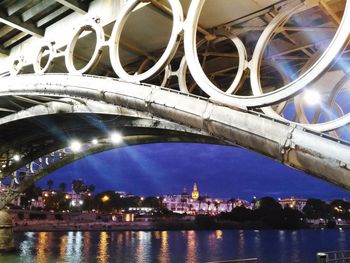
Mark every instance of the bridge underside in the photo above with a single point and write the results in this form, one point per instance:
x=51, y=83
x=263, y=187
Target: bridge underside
x=230, y=74
x=151, y=114
x=41, y=136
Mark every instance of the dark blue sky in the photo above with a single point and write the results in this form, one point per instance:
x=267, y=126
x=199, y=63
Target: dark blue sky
x=219, y=171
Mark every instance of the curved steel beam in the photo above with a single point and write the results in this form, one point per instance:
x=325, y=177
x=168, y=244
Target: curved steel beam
x=139, y=120
x=294, y=146
x=103, y=146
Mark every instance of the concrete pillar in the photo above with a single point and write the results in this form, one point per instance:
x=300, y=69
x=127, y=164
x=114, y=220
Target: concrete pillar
x=7, y=242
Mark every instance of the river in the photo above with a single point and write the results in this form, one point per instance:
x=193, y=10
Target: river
x=271, y=246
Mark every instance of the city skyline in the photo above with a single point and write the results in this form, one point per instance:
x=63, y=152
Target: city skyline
x=158, y=169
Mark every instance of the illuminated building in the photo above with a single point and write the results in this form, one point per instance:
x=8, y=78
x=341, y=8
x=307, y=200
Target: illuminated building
x=294, y=203
x=195, y=193
x=192, y=204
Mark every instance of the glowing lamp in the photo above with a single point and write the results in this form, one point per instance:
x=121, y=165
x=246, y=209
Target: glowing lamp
x=116, y=138
x=312, y=97
x=16, y=157
x=105, y=198
x=75, y=146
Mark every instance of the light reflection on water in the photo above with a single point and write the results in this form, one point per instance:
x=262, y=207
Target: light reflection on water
x=86, y=245
x=143, y=247
x=63, y=247
x=103, y=254
x=176, y=246
x=43, y=247
x=241, y=243
x=191, y=247
x=294, y=246
x=164, y=256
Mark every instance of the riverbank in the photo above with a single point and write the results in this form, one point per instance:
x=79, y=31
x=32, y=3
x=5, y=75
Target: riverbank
x=51, y=226
x=55, y=225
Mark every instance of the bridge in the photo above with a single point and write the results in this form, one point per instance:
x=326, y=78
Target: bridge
x=270, y=76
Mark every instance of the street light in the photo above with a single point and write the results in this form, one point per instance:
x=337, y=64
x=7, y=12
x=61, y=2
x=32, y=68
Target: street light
x=116, y=137
x=75, y=146
x=16, y=157
x=105, y=198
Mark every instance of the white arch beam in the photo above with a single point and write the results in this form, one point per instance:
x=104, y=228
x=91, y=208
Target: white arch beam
x=292, y=145
x=70, y=158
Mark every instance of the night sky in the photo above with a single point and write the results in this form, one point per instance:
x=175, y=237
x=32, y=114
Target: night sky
x=220, y=171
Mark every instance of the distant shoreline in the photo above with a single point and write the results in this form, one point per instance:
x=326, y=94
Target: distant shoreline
x=57, y=226
x=96, y=226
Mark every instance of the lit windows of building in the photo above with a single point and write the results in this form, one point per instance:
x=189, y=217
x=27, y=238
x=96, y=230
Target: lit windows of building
x=191, y=204
x=294, y=203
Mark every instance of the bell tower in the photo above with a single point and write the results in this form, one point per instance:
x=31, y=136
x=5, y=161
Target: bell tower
x=195, y=193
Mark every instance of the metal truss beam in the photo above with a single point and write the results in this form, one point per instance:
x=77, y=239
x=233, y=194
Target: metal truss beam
x=52, y=16
x=37, y=9
x=77, y=6
x=16, y=22
x=17, y=6
x=4, y=50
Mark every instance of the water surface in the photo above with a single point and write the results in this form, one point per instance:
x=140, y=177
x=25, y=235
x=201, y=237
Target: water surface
x=272, y=246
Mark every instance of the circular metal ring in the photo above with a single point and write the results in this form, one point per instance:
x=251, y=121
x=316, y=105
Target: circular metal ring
x=337, y=44
x=168, y=54
x=37, y=63
x=242, y=63
x=100, y=41
x=181, y=73
x=344, y=119
x=329, y=125
x=242, y=59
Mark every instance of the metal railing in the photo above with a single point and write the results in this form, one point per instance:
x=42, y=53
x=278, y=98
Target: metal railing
x=341, y=256
x=246, y=260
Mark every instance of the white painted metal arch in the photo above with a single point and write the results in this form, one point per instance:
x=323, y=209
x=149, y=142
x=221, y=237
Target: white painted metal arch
x=292, y=145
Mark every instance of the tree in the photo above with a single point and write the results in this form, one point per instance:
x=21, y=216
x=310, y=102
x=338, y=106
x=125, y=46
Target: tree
x=183, y=201
x=200, y=199
x=79, y=186
x=268, y=204
x=232, y=201
x=217, y=204
x=316, y=208
x=208, y=203
x=91, y=188
x=32, y=192
x=108, y=201
x=292, y=218
x=63, y=186
x=49, y=184
x=340, y=209
x=269, y=212
x=240, y=214
x=153, y=201
x=132, y=201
